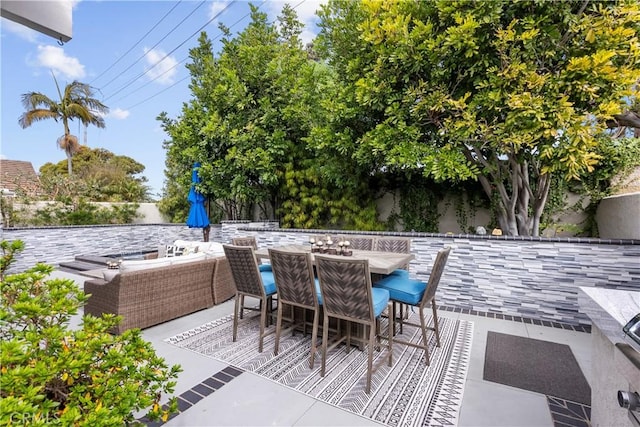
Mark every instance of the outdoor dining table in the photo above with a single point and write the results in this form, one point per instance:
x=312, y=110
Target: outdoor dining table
x=379, y=262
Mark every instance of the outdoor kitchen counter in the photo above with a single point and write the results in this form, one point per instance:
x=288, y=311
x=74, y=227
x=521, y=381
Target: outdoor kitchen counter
x=612, y=370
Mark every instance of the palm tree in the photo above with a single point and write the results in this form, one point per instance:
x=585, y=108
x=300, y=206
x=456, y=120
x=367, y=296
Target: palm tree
x=77, y=102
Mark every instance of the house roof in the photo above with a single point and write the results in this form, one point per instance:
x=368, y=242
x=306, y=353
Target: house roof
x=17, y=175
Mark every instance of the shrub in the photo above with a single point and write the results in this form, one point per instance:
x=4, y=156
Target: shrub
x=52, y=374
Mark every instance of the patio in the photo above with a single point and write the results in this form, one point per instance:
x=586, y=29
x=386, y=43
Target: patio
x=249, y=399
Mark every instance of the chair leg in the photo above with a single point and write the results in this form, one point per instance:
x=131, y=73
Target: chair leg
x=372, y=339
x=390, y=332
x=235, y=316
x=425, y=343
x=263, y=320
x=314, y=338
x=242, y=305
x=436, y=327
x=278, y=330
x=325, y=336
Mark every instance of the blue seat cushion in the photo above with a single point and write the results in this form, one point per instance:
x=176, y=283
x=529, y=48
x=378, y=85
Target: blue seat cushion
x=400, y=272
x=380, y=300
x=264, y=267
x=318, y=291
x=268, y=282
x=402, y=289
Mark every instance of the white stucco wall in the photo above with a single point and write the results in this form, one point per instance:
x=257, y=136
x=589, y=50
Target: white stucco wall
x=619, y=217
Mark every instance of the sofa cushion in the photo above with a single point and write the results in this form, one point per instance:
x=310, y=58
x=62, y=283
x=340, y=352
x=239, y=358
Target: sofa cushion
x=188, y=258
x=109, y=274
x=134, y=265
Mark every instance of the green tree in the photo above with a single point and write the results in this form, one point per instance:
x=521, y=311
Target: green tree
x=252, y=110
x=77, y=102
x=105, y=177
x=506, y=92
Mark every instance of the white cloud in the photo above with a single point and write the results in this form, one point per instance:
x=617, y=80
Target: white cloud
x=118, y=114
x=163, y=72
x=54, y=58
x=217, y=7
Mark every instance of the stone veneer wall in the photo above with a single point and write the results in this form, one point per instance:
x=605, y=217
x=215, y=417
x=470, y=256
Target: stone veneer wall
x=529, y=277
x=53, y=245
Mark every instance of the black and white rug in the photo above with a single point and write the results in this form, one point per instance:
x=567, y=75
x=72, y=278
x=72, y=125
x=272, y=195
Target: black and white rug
x=407, y=394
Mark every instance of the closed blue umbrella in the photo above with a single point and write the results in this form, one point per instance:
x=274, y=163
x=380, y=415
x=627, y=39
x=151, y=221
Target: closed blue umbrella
x=197, y=214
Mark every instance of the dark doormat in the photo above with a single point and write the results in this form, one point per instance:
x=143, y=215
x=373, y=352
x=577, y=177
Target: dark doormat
x=535, y=365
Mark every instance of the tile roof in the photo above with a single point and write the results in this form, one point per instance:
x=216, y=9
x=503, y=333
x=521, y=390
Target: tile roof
x=18, y=174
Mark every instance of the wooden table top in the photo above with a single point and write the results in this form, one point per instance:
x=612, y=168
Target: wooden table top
x=379, y=262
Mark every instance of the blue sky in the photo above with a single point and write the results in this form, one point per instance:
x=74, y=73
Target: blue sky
x=116, y=48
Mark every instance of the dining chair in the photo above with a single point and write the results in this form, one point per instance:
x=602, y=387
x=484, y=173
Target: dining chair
x=347, y=294
x=252, y=282
x=250, y=241
x=363, y=243
x=405, y=291
x=296, y=287
x=397, y=245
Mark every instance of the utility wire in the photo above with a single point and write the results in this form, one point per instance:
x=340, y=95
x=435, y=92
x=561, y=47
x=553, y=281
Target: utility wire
x=182, y=61
x=167, y=55
x=136, y=43
x=185, y=59
x=159, y=41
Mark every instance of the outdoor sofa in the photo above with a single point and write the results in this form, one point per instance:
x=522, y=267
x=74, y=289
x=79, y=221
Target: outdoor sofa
x=156, y=293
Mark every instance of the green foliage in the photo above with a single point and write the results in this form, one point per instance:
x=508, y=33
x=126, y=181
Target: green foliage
x=83, y=213
x=249, y=124
x=508, y=92
x=100, y=175
x=55, y=375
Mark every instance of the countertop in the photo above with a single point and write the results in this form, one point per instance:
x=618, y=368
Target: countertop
x=610, y=310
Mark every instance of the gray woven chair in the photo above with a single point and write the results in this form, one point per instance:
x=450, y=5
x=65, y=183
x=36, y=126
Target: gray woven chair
x=250, y=281
x=347, y=294
x=297, y=287
x=245, y=241
x=363, y=243
x=418, y=294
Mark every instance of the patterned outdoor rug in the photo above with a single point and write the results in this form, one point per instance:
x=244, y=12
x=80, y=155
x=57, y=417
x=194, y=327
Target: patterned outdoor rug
x=407, y=394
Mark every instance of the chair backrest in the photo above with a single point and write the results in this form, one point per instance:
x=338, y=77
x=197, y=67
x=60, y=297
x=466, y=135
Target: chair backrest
x=363, y=243
x=345, y=284
x=245, y=241
x=244, y=270
x=400, y=245
x=435, y=275
x=293, y=274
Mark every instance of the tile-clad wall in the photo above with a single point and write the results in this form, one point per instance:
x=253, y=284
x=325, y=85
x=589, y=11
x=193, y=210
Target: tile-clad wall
x=527, y=277
x=523, y=277
x=53, y=245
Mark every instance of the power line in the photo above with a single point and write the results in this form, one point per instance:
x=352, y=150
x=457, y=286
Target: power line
x=159, y=41
x=185, y=59
x=167, y=55
x=136, y=43
x=182, y=61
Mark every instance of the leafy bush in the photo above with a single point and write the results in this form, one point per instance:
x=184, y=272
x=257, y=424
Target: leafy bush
x=52, y=374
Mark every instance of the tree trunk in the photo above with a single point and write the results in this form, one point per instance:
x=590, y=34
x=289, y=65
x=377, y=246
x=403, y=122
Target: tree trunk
x=69, y=164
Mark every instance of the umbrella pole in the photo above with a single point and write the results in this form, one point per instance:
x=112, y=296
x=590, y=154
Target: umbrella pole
x=205, y=233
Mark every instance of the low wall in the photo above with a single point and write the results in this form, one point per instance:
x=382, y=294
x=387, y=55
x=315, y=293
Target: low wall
x=53, y=245
x=528, y=277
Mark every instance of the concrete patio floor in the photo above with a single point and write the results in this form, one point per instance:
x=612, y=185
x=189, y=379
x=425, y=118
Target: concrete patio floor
x=250, y=400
